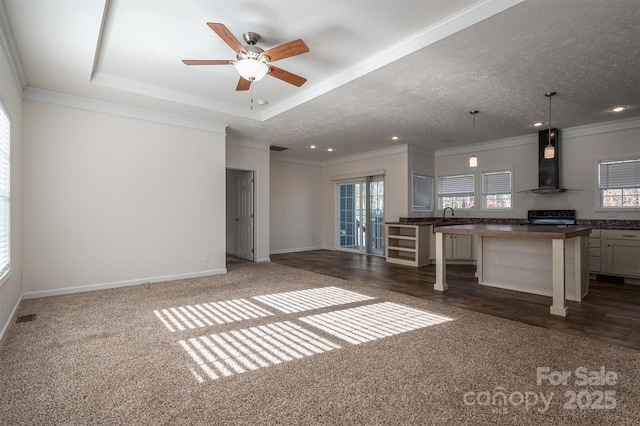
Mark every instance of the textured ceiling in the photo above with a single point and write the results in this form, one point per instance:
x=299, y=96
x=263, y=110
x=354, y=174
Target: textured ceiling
x=375, y=69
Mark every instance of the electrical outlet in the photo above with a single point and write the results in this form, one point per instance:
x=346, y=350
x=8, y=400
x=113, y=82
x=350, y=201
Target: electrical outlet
x=612, y=215
x=205, y=257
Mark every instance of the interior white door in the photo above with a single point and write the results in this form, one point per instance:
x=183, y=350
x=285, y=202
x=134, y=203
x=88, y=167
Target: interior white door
x=245, y=216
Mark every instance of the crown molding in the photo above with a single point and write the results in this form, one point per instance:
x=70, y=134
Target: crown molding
x=598, y=128
x=571, y=132
x=367, y=155
x=31, y=94
x=8, y=45
x=246, y=143
x=465, y=18
x=486, y=146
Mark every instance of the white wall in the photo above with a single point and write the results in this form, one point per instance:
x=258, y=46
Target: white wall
x=581, y=148
x=111, y=200
x=243, y=155
x=11, y=98
x=296, y=207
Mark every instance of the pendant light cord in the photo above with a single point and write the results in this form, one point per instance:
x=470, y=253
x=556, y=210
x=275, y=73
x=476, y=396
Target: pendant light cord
x=550, y=95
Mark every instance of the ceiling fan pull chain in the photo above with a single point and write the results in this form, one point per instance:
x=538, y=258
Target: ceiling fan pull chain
x=252, y=97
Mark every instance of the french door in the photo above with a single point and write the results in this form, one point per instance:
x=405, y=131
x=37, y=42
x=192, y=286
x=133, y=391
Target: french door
x=361, y=215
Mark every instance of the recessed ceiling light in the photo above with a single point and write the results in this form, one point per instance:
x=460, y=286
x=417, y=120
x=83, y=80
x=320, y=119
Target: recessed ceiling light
x=618, y=108
x=538, y=124
x=395, y=138
x=262, y=102
x=330, y=149
x=312, y=147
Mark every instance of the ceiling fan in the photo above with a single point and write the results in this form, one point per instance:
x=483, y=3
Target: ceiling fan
x=252, y=62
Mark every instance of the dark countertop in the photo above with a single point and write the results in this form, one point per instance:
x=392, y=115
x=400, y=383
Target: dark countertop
x=590, y=223
x=517, y=231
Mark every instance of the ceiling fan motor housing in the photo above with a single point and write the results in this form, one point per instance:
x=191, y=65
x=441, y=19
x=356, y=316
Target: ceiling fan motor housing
x=251, y=38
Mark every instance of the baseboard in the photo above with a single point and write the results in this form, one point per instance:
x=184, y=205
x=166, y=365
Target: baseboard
x=264, y=259
x=295, y=250
x=11, y=319
x=116, y=284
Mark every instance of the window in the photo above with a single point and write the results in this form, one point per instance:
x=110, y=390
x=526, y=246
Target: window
x=4, y=192
x=496, y=190
x=422, y=193
x=456, y=191
x=619, y=183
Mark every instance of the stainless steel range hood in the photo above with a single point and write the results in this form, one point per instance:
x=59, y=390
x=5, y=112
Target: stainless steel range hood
x=548, y=168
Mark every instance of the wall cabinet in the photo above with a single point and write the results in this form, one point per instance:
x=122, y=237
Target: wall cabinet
x=408, y=244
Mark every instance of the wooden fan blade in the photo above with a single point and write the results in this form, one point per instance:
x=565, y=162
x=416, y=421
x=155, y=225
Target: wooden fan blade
x=243, y=84
x=207, y=61
x=226, y=35
x=286, y=76
x=286, y=50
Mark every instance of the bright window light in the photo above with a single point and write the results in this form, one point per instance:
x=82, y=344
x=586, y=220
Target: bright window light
x=315, y=298
x=372, y=322
x=208, y=314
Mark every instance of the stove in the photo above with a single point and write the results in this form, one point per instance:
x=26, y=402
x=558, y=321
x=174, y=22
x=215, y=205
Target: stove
x=551, y=217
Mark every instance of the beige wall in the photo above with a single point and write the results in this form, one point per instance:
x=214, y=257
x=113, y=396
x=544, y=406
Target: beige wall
x=295, y=207
x=11, y=289
x=110, y=200
x=395, y=183
x=252, y=156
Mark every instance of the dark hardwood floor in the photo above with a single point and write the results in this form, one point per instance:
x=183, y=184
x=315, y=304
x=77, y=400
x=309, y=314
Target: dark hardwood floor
x=610, y=312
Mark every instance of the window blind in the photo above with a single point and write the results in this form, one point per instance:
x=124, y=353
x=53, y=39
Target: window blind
x=456, y=185
x=496, y=182
x=619, y=174
x=5, y=144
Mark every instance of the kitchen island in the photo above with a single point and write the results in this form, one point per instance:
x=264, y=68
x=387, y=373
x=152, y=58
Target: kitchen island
x=546, y=260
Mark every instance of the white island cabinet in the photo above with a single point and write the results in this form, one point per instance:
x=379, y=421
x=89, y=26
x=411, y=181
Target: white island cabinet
x=541, y=260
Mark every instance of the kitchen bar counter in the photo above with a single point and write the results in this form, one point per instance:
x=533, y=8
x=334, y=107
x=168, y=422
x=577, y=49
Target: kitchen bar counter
x=533, y=259
x=517, y=231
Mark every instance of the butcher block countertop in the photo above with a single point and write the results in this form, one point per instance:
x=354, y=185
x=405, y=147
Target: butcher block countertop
x=517, y=231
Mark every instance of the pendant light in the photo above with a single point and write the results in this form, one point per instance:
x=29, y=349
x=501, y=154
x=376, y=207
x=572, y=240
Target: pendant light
x=549, y=150
x=473, y=160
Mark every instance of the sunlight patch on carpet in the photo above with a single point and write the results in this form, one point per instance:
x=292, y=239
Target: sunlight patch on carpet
x=225, y=354
x=306, y=300
x=372, y=322
x=207, y=314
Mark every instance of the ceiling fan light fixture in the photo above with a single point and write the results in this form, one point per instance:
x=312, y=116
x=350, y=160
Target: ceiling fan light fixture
x=251, y=69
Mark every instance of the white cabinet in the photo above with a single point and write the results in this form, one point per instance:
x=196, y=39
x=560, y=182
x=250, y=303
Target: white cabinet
x=623, y=253
x=458, y=247
x=408, y=244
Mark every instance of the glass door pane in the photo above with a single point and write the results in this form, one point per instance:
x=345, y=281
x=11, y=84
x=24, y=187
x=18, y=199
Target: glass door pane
x=361, y=215
x=375, y=238
x=351, y=216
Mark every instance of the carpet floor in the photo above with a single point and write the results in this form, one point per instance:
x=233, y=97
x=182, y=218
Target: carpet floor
x=269, y=344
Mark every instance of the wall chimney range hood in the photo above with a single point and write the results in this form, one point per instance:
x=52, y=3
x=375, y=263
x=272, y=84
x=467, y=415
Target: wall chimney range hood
x=548, y=168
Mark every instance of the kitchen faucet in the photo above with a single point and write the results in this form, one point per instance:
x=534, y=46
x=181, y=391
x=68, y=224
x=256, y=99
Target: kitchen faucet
x=445, y=212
